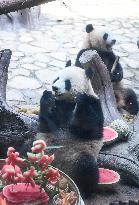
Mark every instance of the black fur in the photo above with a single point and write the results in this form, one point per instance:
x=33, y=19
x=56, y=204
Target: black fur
x=87, y=120
x=54, y=113
x=88, y=115
x=56, y=79
x=89, y=28
x=105, y=36
x=86, y=174
x=131, y=104
x=89, y=72
x=68, y=63
x=108, y=58
x=84, y=118
x=67, y=85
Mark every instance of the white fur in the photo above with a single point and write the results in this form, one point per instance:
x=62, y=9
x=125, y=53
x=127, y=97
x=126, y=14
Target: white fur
x=95, y=39
x=78, y=79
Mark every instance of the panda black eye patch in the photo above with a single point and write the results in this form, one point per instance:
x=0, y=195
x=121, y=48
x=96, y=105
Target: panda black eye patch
x=56, y=80
x=67, y=85
x=105, y=36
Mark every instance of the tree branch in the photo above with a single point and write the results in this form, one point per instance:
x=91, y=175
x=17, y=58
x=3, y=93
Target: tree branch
x=7, y=6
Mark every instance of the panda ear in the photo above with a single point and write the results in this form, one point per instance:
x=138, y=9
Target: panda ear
x=68, y=63
x=105, y=36
x=89, y=72
x=89, y=28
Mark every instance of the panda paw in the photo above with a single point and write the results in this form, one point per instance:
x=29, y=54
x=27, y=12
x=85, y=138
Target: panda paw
x=48, y=97
x=83, y=98
x=47, y=102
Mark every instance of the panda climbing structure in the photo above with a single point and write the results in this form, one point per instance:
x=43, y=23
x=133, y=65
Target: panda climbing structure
x=74, y=105
x=102, y=42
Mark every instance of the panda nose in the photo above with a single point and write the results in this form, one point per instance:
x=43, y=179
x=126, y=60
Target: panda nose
x=113, y=41
x=55, y=88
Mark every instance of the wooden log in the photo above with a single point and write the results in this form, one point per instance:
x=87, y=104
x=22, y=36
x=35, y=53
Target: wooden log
x=7, y=6
x=101, y=83
x=14, y=127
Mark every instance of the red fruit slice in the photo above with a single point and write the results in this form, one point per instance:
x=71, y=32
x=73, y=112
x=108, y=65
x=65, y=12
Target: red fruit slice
x=109, y=134
x=20, y=194
x=107, y=176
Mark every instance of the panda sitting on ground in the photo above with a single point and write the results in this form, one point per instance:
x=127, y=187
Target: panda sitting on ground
x=103, y=42
x=73, y=105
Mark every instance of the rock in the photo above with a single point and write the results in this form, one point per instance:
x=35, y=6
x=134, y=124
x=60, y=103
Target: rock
x=21, y=82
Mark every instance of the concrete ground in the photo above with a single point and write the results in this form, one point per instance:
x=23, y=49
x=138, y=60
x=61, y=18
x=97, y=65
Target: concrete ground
x=41, y=49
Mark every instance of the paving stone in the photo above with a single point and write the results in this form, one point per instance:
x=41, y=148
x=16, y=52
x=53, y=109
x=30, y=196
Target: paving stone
x=14, y=95
x=40, y=65
x=30, y=49
x=46, y=44
x=59, y=55
x=40, y=52
x=27, y=60
x=136, y=91
x=42, y=57
x=121, y=54
x=17, y=54
x=128, y=74
x=134, y=56
x=132, y=63
x=30, y=66
x=14, y=58
x=13, y=65
x=25, y=39
x=19, y=71
x=127, y=82
x=136, y=75
x=32, y=96
x=57, y=63
x=129, y=47
x=9, y=36
x=121, y=38
x=21, y=82
x=45, y=75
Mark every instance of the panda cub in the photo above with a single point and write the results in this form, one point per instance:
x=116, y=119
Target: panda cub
x=74, y=105
x=103, y=42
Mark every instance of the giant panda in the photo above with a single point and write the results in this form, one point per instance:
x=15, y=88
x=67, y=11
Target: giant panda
x=103, y=42
x=73, y=105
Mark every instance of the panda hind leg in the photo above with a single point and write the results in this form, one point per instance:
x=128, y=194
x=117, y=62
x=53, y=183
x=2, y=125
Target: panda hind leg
x=86, y=174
